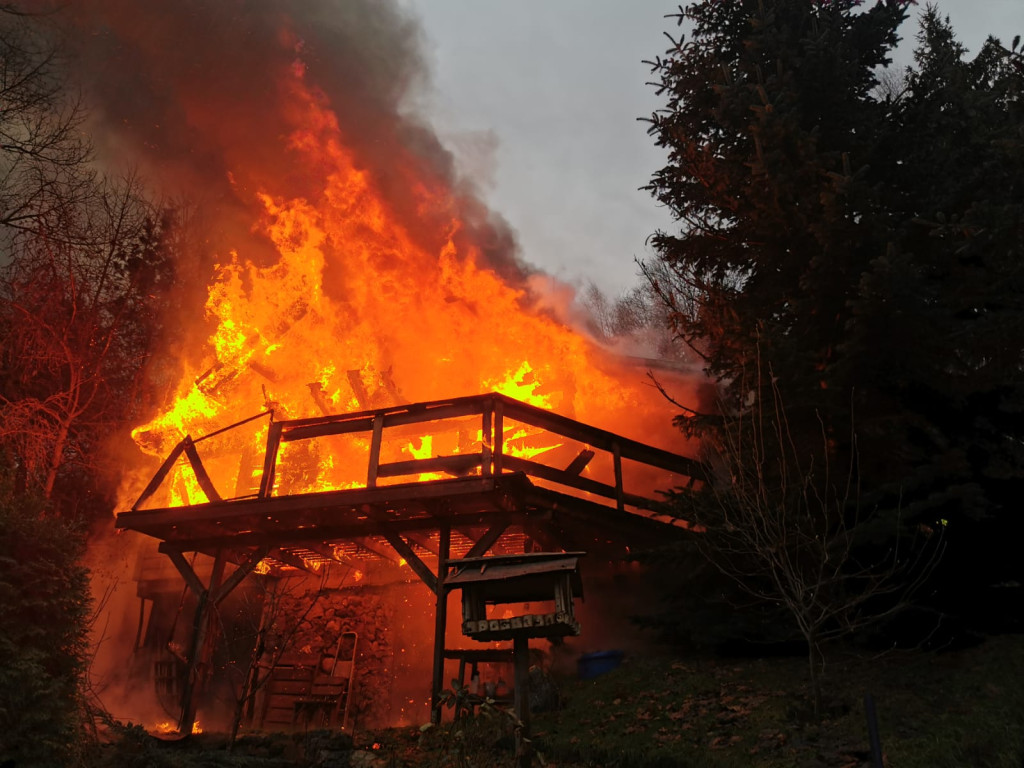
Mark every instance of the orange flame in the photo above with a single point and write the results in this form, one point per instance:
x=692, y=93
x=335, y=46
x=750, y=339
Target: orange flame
x=358, y=311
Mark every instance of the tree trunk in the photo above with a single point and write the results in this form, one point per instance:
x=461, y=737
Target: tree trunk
x=813, y=663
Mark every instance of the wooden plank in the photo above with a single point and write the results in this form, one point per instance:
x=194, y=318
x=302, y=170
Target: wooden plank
x=601, y=438
x=412, y=559
x=270, y=459
x=229, y=427
x=459, y=464
x=485, y=542
x=435, y=412
x=160, y=475
x=326, y=429
x=440, y=622
x=355, y=381
x=186, y=571
x=487, y=438
x=577, y=465
x=375, y=441
x=274, y=506
x=243, y=570
x=499, y=436
x=617, y=463
x=293, y=560
x=535, y=469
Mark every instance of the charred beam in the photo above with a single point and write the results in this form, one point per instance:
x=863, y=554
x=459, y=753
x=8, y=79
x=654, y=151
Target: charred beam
x=490, y=537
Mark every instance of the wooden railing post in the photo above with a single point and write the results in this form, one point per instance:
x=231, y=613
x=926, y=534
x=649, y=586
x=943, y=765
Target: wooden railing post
x=375, y=441
x=486, y=438
x=499, y=435
x=270, y=459
x=620, y=501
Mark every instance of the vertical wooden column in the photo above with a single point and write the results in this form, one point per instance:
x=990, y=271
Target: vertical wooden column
x=440, y=621
x=487, y=439
x=270, y=459
x=375, y=442
x=201, y=647
x=207, y=598
x=617, y=459
x=521, y=660
x=498, y=448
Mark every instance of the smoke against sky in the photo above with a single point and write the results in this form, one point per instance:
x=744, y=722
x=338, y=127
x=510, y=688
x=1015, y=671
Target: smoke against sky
x=187, y=91
x=542, y=99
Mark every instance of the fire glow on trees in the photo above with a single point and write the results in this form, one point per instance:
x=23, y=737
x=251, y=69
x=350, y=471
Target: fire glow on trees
x=355, y=271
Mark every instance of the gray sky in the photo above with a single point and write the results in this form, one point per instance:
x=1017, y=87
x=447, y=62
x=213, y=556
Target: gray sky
x=539, y=99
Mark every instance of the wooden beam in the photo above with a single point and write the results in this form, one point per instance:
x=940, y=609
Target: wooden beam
x=412, y=559
x=459, y=465
x=326, y=551
x=499, y=436
x=491, y=535
x=241, y=571
x=440, y=622
x=620, y=502
x=325, y=429
x=375, y=441
x=362, y=544
x=421, y=541
x=600, y=438
x=577, y=465
x=270, y=459
x=487, y=439
x=160, y=475
x=293, y=560
x=200, y=471
x=536, y=469
x=200, y=650
x=185, y=569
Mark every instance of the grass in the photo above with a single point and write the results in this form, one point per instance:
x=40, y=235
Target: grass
x=963, y=708
x=935, y=710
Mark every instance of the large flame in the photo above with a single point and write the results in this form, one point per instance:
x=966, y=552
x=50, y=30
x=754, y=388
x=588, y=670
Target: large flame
x=360, y=307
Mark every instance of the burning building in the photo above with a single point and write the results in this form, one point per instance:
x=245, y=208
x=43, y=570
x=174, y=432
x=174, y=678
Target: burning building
x=371, y=373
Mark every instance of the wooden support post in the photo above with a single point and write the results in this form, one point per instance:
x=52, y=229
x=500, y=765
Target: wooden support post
x=375, y=441
x=521, y=660
x=499, y=435
x=270, y=459
x=207, y=599
x=491, y=535
x=620, y=500
x=160, y=475
x=440, y=622
x=411, y=558
x=202, y=477
x=487, y=440
x=201, y=648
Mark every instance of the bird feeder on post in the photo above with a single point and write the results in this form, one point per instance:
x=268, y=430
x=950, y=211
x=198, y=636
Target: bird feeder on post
x=539, y=577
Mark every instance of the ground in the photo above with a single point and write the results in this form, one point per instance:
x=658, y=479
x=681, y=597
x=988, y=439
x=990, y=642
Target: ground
x=937, y=709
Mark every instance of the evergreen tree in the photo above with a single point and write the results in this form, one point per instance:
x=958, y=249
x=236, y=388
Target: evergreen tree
x=857, y=249
x=44, y=609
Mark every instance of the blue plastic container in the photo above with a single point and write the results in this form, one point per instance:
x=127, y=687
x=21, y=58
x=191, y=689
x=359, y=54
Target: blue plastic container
x=594, y=664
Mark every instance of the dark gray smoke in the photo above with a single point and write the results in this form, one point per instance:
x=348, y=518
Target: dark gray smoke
x=190, y=92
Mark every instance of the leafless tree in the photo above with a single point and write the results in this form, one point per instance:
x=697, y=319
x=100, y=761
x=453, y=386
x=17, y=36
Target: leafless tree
x=788, y=527
x=78, y=317
x=83, y=264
